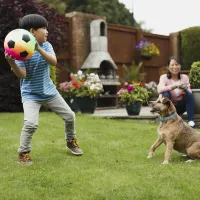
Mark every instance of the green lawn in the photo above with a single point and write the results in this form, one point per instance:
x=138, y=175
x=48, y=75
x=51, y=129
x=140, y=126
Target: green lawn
x=114, y=165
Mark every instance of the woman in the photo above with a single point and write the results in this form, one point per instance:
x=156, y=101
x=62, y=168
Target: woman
x=176, y=87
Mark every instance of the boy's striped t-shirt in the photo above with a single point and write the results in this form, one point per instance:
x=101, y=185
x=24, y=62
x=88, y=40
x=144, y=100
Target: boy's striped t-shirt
x=37, y=85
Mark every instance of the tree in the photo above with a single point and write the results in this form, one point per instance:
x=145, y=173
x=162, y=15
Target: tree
x=10, y=13
x=58, y=5
x=114, y=11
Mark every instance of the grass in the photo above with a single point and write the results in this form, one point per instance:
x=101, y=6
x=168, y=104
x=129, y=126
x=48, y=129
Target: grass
x=114, y=165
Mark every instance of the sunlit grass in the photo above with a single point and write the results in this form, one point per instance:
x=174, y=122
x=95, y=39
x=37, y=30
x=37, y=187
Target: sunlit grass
x=114, y=165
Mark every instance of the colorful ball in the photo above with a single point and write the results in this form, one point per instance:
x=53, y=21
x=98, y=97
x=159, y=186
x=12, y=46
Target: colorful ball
x=20, y=44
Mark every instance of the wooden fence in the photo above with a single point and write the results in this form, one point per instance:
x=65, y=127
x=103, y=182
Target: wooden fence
x=122, y=43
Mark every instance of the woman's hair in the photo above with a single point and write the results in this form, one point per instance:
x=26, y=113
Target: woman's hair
x=169, y=75
x=32, y=21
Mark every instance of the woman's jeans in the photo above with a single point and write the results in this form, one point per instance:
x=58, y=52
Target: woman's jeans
x=186, y=104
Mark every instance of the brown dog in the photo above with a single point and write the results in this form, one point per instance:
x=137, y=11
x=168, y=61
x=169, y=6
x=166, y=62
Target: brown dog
x=174, y=132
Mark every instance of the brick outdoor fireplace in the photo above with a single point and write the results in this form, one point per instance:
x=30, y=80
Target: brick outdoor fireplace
x=90, y=51
x=100, y=61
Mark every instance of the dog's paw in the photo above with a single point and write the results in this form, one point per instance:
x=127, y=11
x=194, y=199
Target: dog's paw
x=150, y=155
x=189, y=161
x=165, y=162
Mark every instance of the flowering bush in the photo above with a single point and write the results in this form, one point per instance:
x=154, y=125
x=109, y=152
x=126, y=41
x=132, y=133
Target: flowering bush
x=133, y=92
x=91, y=87
x=81, y=85
x=70, y=89
x=152, y=89
x=147, y=48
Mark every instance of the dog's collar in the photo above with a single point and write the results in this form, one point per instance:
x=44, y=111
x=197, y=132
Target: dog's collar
x=166, y=118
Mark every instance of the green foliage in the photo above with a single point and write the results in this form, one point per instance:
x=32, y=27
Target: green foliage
x=133, y=72
x=59, y=5
x=190, y=46
x=12, y=11
x=195, y=75
x=53, y=74
x=132, y=93
x=114, y=11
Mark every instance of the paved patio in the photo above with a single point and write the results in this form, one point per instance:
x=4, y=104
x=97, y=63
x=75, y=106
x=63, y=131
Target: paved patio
x=145, y=115
x=120, y=113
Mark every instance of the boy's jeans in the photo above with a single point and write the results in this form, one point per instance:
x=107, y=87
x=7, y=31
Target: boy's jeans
x=186, y=104
x=31, y=116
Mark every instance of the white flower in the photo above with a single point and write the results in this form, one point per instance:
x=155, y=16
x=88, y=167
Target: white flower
x=96, y=78
x=98, y=86
x=92, y=87
x=80, y=73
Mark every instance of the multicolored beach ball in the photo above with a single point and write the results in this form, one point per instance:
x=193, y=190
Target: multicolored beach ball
x=20, y=44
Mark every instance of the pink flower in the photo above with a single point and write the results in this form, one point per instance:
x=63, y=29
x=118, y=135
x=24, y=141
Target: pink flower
x=121, y=91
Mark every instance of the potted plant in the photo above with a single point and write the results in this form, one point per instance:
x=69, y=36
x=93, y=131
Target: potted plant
x=133, y=96
x=194, y=76
x=147, y=49
x=152, y=89
x=88, y=92
x=68, y=91
x=133, y=72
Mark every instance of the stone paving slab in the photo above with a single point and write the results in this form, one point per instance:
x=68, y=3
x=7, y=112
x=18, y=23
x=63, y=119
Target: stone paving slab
x=120, y=113
x=145, y=114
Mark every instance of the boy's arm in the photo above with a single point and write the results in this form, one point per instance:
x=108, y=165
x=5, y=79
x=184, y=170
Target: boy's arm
x=50, y=58
x=19, y=72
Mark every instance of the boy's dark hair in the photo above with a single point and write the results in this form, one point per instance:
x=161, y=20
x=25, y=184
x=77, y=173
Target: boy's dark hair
x=169, y=76
x=32, y=21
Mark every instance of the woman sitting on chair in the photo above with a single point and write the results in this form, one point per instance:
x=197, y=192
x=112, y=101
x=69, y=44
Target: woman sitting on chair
x=176, y=87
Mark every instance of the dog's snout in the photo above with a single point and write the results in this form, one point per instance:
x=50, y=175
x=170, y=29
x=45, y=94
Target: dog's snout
x=153, y=110
x=151, y=103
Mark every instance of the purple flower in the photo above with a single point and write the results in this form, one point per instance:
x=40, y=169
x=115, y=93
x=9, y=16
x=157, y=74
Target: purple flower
x=129, y=88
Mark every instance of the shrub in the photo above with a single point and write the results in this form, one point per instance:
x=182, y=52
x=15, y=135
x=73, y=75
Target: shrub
x=12, y=11
x=190, y=46
x=53, y=73
x=195, y=75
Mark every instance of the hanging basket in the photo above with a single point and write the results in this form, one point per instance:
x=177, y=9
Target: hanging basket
x=146, y=57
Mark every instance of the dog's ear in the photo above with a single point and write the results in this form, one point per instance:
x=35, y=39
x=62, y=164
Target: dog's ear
x=165, y=100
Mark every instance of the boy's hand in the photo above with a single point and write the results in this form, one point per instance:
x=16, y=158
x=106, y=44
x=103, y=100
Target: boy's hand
x=37, y=46
x=9, y=58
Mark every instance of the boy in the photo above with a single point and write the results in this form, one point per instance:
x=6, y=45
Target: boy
x=37, y=88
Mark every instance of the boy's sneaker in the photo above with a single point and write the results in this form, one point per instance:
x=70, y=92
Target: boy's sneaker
x=73, y=147
x=24, y=159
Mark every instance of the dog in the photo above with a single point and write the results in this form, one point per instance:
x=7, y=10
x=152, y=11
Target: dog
x=174, y=132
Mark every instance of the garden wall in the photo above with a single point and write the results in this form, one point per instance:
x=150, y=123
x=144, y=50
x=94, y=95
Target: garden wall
x=122, y=43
